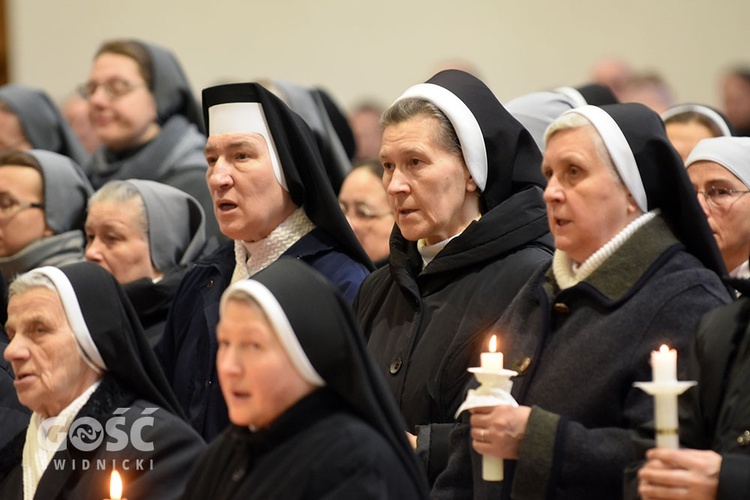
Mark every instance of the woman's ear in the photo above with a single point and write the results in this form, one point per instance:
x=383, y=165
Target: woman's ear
x=633, y=207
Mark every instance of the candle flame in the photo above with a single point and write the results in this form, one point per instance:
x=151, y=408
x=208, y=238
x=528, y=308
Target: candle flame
x=115, y=486
x=664, y=348
x=493, y=343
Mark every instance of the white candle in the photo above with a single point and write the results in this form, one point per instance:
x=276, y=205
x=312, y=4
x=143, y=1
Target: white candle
x=664, y=368
x=664, y=364
x=115, y=486
x=492, y=467
x=492, y=360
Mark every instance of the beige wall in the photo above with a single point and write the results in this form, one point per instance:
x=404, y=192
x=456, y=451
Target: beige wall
x=379, y=48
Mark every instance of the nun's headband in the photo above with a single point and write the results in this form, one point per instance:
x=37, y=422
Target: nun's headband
x=85, y=343
x=573, y=95
x=464, y=123
x=732, y=153
x=619, y=150
x=279, y=322
x=705, y=111
x=245, y=118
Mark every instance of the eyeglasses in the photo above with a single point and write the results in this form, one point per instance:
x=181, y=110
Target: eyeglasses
x=10, y=206
x=113, y=89
x=361, y=212
x=720, y=197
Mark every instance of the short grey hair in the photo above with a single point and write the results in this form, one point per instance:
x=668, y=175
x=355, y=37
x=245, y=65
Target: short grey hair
x=411, y=107
x=26, y=281
x=571, y=121
x=118, y=192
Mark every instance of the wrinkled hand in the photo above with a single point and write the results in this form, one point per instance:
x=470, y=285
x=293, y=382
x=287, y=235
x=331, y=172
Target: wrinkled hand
x=498, y=431
x=692, y=474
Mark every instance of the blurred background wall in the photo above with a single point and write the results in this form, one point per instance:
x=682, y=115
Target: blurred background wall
x=357, y=49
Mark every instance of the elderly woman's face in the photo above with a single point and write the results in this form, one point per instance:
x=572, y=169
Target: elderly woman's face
x=586, y=205
x=431, y=192
x=115, y=241
x=129, y=118
x=50, y=372
x=728, y=216
x=249, y=202
x=258, y=381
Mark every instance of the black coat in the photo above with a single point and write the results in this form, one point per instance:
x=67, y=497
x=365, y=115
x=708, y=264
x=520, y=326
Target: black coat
x=152, y=301
x=318, y=449
x=426, y=327
x=716, y=413
x=157, y=474
x=14, y=417
x=585, y=346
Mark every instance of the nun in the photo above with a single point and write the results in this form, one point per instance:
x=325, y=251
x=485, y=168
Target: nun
x=272, y=197
x=311, y=417
x=688, y=124
x=635, y=267
x=43, y=198
x=463, y=183
x=147, y=234
x=99, y=399
x=719, y=169
x=143, y=110
x=29, y=119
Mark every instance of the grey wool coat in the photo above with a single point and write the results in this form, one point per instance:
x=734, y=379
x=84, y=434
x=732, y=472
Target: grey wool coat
x=585, y=346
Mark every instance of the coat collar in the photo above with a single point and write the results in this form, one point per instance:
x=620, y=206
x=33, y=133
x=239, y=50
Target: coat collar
x=619, y=274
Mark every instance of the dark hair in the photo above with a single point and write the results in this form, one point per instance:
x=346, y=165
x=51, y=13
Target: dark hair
x=406, y=109
x=134, y=50
x=16, y=157
x=740, y=71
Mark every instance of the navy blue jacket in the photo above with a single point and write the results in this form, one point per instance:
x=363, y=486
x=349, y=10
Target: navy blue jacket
x=187, y=350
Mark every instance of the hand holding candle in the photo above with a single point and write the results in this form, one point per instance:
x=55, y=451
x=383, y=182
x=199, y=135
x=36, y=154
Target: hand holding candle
x=115, y=486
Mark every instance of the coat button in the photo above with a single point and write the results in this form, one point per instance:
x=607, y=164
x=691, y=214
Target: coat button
x=521, y=365
x=238, y=474
x=744, y=438
x=396, y=365
x=210, y=283
x=561, y=308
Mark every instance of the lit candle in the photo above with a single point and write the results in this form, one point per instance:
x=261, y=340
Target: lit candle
x=664, y=368
x=664, y=364
x=492, y=467
x=492, y=360
x=115, y=486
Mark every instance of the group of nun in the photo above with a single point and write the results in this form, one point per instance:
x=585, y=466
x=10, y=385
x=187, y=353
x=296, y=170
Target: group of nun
x=274, y=361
